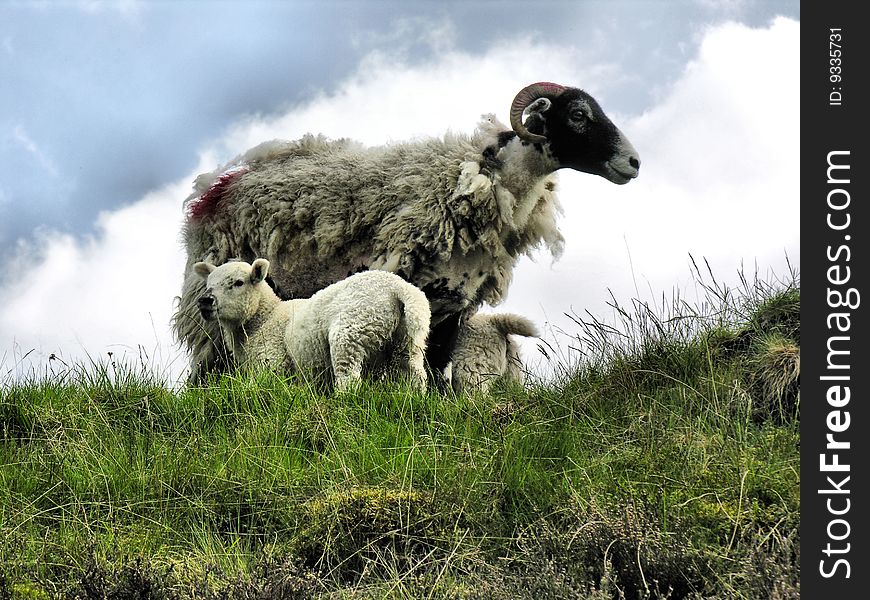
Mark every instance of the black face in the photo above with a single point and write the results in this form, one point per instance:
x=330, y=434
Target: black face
x=582, y=137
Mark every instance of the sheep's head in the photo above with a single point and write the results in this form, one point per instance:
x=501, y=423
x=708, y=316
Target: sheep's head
x=576, y=130
x=232, y=291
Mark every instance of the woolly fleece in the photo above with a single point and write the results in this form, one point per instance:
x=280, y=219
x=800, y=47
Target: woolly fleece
x=450, y=215
x=485, y=352
x=355, y=326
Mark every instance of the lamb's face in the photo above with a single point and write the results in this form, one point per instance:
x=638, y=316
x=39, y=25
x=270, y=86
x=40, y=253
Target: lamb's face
x=232, y=292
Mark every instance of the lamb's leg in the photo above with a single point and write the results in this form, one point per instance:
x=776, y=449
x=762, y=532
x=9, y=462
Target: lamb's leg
x=347, y=356
x=417, y=367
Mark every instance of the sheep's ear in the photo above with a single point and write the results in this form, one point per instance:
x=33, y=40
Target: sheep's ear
x=203, y=269
x=538, y=106
x=259, y=270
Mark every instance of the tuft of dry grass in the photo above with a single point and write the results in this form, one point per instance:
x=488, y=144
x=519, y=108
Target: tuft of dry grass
x=774, y=375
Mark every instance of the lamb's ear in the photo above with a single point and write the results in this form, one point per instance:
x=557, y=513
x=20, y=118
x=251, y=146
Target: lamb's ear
x=259, y=270
x=203, y=269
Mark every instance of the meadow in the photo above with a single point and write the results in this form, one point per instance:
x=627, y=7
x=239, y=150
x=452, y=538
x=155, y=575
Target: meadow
x=662, y=461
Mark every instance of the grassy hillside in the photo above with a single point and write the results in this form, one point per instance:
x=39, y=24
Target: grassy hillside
x=664, y=465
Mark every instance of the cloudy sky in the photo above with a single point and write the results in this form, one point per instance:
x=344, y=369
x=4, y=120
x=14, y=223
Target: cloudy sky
x=108, y=110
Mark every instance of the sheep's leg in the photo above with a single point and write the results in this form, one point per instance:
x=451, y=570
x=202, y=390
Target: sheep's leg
x=439, y=350
x=347, y=372
x=417, y=366
x=347, y=356
x=203, y=339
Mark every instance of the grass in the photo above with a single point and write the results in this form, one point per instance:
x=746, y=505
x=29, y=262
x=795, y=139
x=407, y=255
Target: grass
x=664, y=465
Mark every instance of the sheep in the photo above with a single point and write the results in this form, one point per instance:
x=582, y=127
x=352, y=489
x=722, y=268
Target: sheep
x=359, y=324
x=450, y=215
x=485, y=352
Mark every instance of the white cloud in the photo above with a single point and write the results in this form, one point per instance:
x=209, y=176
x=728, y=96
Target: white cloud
x=109, y=293
x=388, y=100
x=405, y=32
x=719, y=179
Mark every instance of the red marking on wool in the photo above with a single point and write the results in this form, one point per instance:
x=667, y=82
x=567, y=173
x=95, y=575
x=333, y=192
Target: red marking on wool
x=207, y=204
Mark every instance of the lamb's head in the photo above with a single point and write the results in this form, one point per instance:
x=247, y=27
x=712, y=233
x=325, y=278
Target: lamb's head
x=233, y=291
x=575, y=129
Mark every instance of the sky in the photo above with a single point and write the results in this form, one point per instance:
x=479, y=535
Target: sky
x=108, y=111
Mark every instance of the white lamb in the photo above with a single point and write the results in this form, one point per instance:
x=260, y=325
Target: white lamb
x=355, y=326
x=485, y=352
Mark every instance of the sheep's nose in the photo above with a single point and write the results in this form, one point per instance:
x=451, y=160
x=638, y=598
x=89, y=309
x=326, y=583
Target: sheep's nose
x=634, y=162
x=207, y=306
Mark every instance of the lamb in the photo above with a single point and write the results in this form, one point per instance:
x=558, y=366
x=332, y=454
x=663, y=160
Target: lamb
x=357, y=325
x=451, y=215
x=485, y=352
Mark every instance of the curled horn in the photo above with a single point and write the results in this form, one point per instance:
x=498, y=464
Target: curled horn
x=526, y=96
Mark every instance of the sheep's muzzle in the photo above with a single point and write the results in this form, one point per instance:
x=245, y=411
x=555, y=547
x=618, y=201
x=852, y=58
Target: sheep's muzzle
x=207, y=306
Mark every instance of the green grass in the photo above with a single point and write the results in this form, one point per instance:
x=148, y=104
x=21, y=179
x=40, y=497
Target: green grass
x=664, y=464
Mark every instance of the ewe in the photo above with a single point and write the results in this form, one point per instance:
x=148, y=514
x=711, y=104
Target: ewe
x=485, y=352
x=357, y=325
x=452, y=215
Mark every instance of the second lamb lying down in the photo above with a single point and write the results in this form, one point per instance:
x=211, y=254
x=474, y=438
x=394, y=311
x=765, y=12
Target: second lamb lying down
x=355, y=326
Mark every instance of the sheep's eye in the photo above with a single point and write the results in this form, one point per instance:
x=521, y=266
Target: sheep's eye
x=578, y=115
x=238, y=283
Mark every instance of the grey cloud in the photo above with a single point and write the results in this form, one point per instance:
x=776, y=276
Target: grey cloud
x=119, y=101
